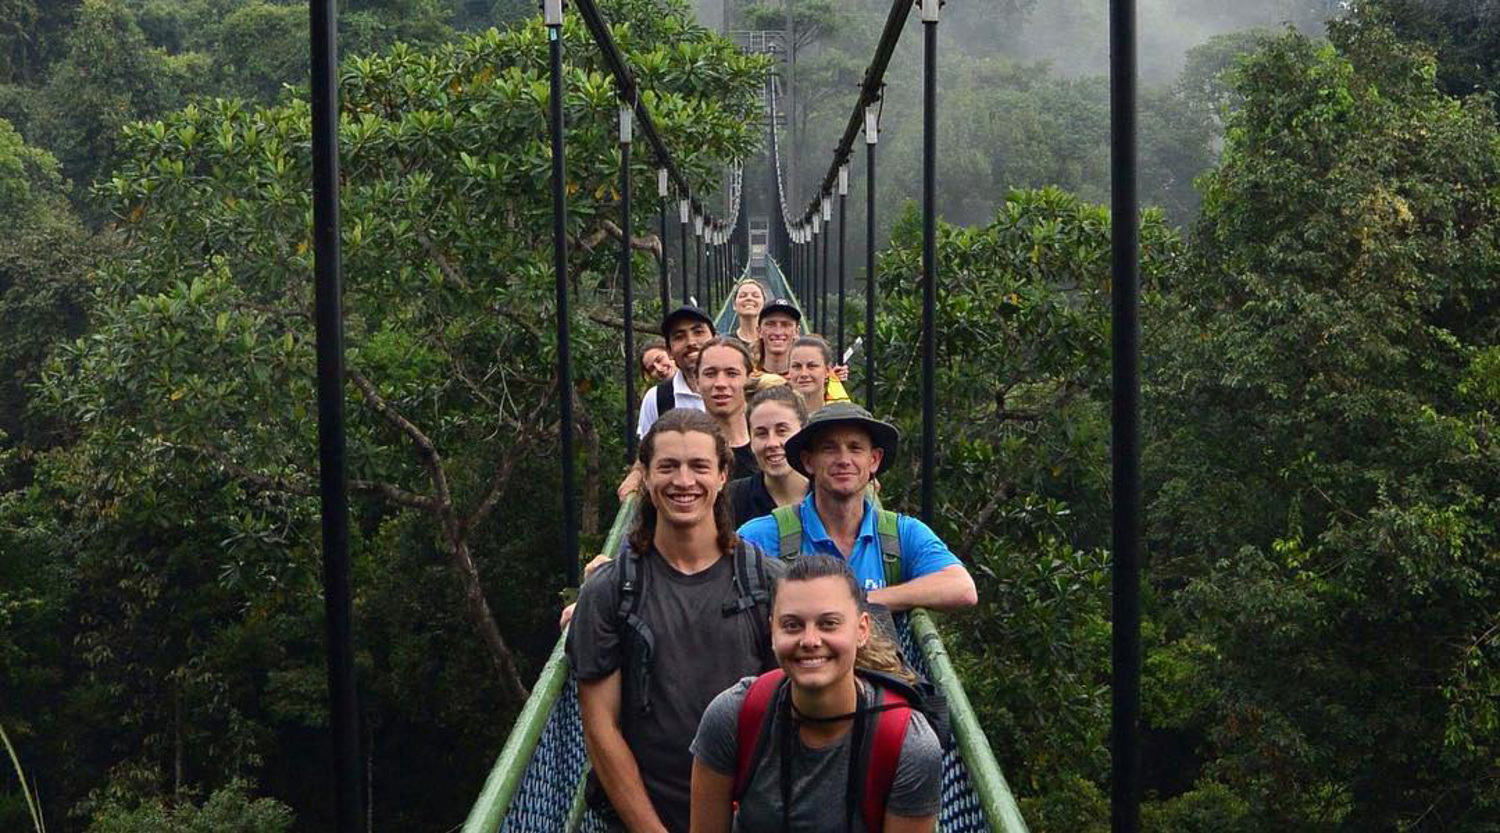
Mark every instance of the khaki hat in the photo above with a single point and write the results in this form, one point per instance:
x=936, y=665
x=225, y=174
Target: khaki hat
x=883, y=434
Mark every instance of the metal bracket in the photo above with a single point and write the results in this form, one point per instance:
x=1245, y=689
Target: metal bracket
x=844, y=180
x=661, y=182
x=827, y=208
x=872, y=123
x=682, y=211
x=930, y=10
x=627, y=123
x=552, y=12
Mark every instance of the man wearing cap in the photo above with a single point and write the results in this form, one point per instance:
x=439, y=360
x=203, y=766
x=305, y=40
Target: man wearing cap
x=686, y=330
x=899, y=559
x=779, y=325
x=779, y=328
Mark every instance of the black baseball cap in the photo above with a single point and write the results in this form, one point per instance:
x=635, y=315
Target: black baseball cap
x=782, y=306
x=685, y=311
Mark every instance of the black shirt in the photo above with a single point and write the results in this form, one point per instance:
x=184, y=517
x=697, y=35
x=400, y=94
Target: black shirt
x=749, y=499
x=699, y=652
x=744, y=462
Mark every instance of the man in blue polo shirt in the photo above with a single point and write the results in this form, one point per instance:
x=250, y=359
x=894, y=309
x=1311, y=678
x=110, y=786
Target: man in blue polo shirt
x=841, y=449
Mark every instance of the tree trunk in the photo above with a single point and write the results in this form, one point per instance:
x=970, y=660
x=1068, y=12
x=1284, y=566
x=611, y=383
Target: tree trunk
x=477, y=610
x=589, y=516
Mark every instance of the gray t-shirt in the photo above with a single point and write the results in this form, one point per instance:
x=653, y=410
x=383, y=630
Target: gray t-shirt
x=820, y=777
x=698, y=653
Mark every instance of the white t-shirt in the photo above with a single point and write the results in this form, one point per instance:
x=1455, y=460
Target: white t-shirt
x=682, y=395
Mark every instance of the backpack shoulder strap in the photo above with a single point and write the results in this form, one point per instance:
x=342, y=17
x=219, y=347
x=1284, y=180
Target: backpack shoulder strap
x=666, y=398
x=752, y=727
x=885, y=753
x=639, y=642
x=789, y=530
x=890, y=546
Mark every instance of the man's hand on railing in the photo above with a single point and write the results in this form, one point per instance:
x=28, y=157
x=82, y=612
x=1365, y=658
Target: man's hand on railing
x=631, y=483
x=588, y=570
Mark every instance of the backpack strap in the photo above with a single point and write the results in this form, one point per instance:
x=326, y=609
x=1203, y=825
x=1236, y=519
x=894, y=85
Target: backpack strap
x=752, y=596
x=639, y=642
x=886, y=740
x=752, y=727
x=890, y=546
x=666, y=398
x=789, y=530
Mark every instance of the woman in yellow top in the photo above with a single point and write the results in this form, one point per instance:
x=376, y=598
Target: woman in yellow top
x=810, y=372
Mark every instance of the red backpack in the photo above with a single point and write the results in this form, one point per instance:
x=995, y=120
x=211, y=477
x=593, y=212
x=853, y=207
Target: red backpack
x=891, y=713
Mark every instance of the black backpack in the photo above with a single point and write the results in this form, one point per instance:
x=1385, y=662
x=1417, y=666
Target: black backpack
x=752, y=598
x=666, y=398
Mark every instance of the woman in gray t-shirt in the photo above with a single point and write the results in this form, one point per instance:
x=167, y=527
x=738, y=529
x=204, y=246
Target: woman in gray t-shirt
x=801, y=779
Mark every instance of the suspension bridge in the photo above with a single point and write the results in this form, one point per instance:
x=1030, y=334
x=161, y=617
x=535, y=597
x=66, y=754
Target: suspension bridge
x=536, y=782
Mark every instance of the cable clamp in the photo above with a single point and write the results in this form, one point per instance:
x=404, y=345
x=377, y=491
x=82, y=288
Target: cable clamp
x=552, y=12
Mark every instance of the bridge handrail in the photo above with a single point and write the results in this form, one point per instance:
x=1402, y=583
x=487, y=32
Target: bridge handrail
x=995, y=797
x=510, y=766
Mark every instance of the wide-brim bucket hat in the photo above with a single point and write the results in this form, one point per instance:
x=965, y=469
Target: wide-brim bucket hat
x=883, y=434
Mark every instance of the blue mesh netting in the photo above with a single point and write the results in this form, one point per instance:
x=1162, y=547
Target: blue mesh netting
x=546, y=792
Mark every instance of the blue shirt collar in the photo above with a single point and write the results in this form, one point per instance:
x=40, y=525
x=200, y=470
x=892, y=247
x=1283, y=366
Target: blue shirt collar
x=812, y=523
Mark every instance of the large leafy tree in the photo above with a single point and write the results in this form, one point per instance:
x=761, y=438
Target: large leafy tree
x=1022, y=471
x=185, y=495
x=1324, y=403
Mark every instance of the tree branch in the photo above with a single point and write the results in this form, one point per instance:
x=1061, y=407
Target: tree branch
x=619, y=324
x=1006, y=491
x=273, y=483
x=650, y=243
x=453, y=273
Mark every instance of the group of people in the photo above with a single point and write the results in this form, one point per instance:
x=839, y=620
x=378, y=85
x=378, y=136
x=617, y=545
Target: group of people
x=735, y=661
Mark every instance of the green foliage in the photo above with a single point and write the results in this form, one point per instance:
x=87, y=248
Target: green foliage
x=184, y=497
x=1023, y=378
x=1328, y=475
x=44, y=258
x=230, y=809
x=1464, y=37
x=108, y=77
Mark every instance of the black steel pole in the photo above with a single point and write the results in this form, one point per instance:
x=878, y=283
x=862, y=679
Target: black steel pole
x=1125, y=423
x=812, y=289
x=560, y=267
x=666, y=290
x=626, y=277
x=870, y=141
x=823, y=290
x=929, y=257
x=843, y=221
x=343, y=702
x=698, y=271
x=682, y=238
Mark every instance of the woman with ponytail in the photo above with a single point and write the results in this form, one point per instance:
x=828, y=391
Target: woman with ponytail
x=830, y=741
